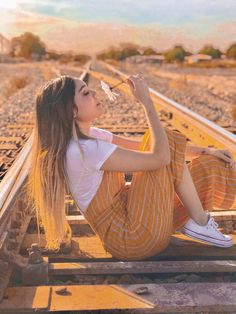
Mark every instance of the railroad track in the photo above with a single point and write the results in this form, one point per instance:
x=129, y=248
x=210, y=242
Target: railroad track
x=15, y=135
x=83, y=276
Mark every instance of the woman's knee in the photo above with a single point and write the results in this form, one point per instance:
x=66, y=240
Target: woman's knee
x=206, y=164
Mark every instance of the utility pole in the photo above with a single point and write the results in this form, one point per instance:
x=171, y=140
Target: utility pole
x=4, y=46
x=1, y=48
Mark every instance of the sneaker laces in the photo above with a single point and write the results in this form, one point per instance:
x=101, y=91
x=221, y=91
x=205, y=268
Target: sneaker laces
x=214, y=224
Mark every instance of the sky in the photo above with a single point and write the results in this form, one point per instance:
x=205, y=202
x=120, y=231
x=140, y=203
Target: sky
x=93, y=25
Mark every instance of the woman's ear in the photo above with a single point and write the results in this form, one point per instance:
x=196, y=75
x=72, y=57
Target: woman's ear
x=75, y=113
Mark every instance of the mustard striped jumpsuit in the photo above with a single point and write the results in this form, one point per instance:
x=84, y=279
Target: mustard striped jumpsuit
x=136, y=222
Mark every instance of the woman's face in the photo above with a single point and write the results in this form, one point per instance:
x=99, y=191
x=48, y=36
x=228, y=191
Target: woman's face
x=89, y=107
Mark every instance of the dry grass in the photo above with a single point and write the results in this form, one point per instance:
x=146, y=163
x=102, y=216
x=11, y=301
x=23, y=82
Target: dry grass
x=112, y=62
x=48, y=73
x=212, y=64
x=14, y=84
x=179, y=84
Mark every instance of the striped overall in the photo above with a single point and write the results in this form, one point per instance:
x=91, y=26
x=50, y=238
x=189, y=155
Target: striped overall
x=136, y=222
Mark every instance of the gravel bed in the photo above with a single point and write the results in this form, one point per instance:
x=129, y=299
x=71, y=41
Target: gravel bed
x=122, y=112
x=208, y=92
x=145, y=278
x=22, y=101
x=21, y=104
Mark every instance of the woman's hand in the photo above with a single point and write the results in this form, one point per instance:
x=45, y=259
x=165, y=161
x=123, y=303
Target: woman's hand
x=223, y=154
x=139, y=89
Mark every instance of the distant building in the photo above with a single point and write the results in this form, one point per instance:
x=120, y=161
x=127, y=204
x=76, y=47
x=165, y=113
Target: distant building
x=197, y=58
x=146, y=59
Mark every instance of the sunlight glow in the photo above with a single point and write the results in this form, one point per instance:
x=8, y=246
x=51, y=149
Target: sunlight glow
x=8, y=4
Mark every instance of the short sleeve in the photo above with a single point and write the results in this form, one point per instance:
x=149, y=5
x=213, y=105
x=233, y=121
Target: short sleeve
x=101, y=134
x=97, y=152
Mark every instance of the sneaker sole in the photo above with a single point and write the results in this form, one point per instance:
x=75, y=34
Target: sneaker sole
x=197, y=236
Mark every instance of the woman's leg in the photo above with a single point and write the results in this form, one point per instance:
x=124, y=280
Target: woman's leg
x=136, y=222
x=140, y=224
x=215, y=185
x=149, y=219
x=188, y=195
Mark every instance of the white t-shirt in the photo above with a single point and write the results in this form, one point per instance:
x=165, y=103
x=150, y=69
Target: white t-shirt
x=85, y=175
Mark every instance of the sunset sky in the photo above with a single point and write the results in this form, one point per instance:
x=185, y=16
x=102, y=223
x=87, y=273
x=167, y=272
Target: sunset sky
x=92, y=25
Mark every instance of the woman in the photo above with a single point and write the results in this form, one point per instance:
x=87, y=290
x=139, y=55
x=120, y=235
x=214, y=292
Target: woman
x=136, y=221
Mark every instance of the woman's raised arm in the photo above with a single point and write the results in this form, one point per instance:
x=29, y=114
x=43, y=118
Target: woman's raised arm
x=126, y=142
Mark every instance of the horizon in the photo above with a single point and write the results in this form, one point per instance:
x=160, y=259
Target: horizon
x=159, y=25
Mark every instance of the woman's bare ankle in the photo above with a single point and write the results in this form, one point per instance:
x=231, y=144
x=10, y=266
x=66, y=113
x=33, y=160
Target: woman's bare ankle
x=202, y=220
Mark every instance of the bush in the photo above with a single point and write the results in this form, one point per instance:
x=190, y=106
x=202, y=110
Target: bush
x=211, y=51
x=118, y=54
x=15, y=83
x=52, y=55
x=149, y=52
x=65, y=58
x=26, y=45
x=231, y=52
x=81, y=58
x=176, y=54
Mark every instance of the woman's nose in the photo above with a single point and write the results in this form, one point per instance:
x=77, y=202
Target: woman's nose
x=94, y=93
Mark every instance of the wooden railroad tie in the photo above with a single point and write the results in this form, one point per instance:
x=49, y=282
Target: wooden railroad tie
x=155, y=298
x=20, y=126
x=85, y=257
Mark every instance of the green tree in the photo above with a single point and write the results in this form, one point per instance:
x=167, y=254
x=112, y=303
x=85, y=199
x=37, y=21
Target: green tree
x=118, y=54
x=53, y=55
x=82, y=58
x=27, y=44
x=65, y=58
x=211, y=51
x=110, y=54
x=149, y=52
x=231, y=52
x=129, y=52
x=176, y=54
x=113, y=54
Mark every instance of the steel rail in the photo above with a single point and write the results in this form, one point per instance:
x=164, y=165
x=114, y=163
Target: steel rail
x=14, y=178
x=202, y=130
x=54, y=297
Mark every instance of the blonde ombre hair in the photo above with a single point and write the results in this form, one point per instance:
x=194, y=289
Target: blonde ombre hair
x=47, y=185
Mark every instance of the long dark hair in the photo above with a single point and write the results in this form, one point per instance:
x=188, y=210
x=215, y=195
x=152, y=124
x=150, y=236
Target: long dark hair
x=54, y=127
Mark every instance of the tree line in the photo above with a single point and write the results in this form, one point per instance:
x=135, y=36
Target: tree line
x=28, y=45
x=178, y=53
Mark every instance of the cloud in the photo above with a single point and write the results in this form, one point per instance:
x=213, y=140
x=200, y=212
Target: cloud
x=63, y=34
x=164, y=12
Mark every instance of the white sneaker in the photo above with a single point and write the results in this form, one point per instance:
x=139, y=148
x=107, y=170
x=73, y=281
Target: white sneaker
x=208, y=233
